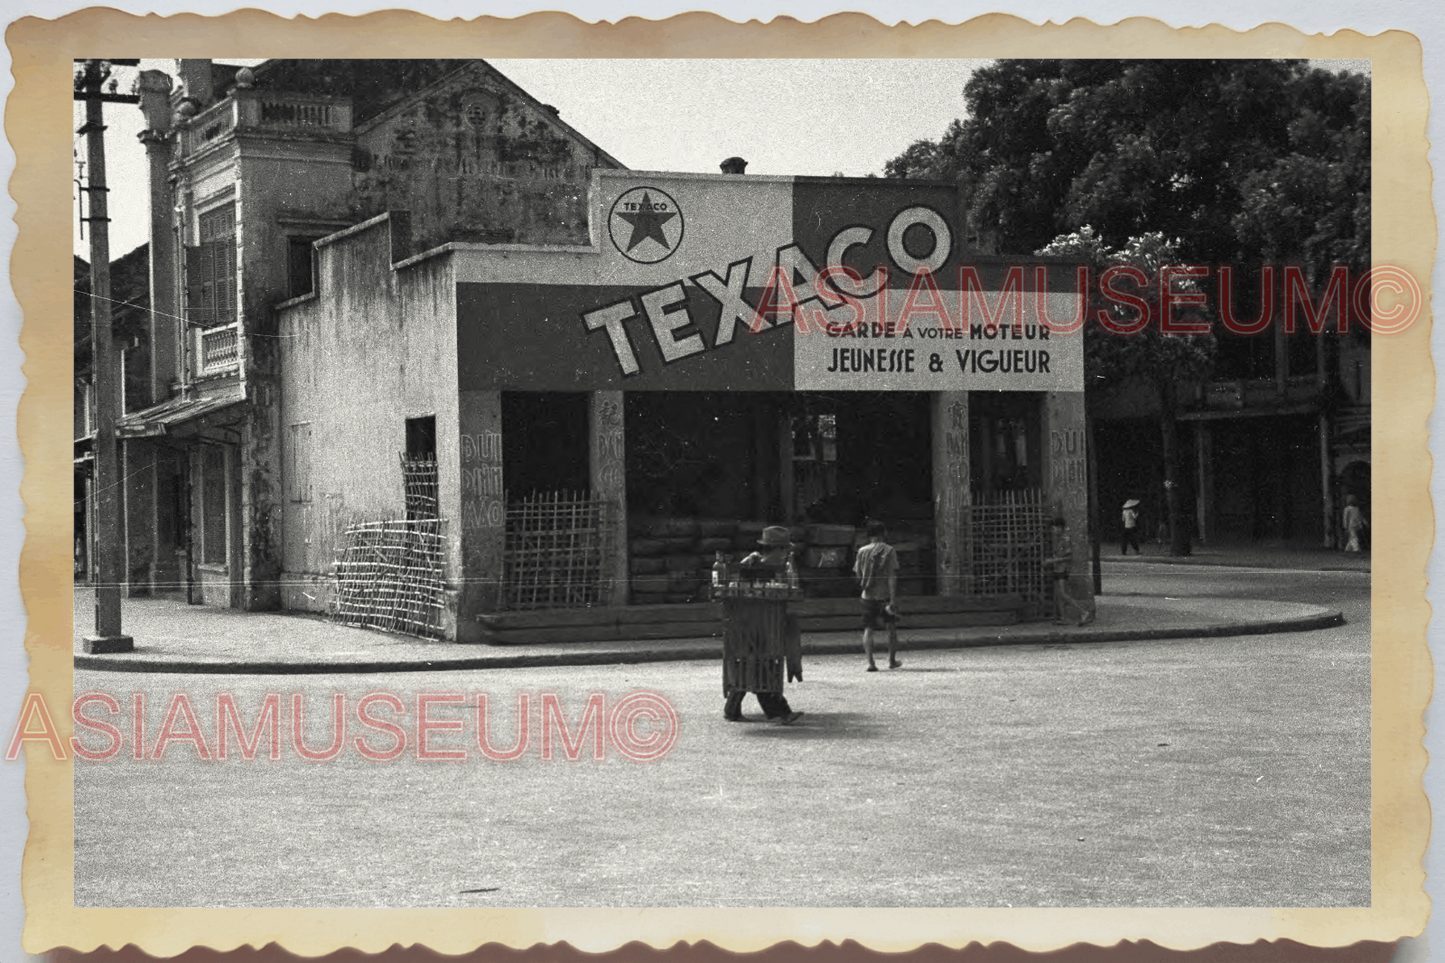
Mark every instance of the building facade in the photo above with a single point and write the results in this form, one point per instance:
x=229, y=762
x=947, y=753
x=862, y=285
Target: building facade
x=404, y=296
x=247, y=169
x=692, y=370
x=1269, y=450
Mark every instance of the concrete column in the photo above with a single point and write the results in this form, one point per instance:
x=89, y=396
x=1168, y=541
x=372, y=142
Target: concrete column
x=243, y=538
x=1204, y=497
x=196, y=81
x=607, y=473
x=1066, y=477
x=155, y=89
x=484, y=506
x=951, y=496
x=1281, y=359
x=1327, y=483
x=259, y=480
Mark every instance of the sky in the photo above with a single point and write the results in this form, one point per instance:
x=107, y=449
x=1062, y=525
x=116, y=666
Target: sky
x=817, y=117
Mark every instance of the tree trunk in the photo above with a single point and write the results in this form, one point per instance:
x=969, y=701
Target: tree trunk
x=1174, y=503
x=1094, y=527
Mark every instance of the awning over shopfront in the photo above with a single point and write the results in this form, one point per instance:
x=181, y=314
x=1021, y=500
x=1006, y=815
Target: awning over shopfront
x=179, y=416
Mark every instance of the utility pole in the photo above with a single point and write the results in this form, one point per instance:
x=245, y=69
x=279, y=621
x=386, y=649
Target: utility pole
x=105, y=372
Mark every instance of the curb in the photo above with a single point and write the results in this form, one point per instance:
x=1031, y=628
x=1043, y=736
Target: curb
x=1210, y=562
x=1324, y=619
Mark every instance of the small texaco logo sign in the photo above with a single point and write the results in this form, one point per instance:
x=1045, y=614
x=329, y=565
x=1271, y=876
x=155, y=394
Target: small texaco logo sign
x=646, y=225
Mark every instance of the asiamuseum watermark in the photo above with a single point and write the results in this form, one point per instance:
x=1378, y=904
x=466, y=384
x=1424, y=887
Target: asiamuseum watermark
x=837, y=301
x=641, y=726
x=1384, y=300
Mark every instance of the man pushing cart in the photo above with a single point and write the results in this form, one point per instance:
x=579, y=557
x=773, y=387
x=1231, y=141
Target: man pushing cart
x=761, y=638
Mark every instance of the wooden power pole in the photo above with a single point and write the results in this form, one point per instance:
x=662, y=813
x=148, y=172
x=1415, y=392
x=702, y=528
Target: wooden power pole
x=105, y=369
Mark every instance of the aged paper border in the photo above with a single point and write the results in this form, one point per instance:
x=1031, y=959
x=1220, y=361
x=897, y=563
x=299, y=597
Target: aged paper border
x=1404, y=234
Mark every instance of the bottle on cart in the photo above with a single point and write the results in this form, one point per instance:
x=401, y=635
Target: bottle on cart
x=719, y=571
x=791, y=573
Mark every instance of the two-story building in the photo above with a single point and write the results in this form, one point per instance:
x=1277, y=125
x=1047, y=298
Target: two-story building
x=248, y=168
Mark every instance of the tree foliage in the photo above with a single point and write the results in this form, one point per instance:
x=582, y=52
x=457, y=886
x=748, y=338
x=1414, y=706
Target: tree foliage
x=1239, y=160
x=1147, y=162
x=1111, y=359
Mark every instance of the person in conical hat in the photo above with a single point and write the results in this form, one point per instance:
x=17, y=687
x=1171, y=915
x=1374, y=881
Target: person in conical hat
x=1131, y=528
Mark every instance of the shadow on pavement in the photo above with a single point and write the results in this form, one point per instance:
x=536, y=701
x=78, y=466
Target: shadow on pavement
x=814, y=726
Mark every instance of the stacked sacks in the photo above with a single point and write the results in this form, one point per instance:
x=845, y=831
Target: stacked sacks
x=670, y=559
x=746, y=538
x=827, y=562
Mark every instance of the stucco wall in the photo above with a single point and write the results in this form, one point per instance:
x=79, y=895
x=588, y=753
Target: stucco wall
x=374, y=347
x=473, y=160
x=290, y=185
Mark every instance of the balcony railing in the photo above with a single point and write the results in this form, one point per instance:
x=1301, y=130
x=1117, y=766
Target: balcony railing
x=218, y=349
x=265, y=110
x=207, y=126
x=294, y=112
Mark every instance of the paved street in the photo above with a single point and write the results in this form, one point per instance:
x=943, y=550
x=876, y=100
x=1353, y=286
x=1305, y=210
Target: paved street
x=1217, y=772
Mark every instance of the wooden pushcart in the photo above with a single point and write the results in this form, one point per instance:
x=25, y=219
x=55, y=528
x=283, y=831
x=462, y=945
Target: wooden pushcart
x=762, y=645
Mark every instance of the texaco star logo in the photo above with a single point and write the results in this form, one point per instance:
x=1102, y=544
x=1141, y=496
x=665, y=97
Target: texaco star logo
x=646, y=225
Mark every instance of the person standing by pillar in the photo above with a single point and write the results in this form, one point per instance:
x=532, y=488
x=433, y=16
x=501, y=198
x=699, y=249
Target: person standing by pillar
x=1061, y=561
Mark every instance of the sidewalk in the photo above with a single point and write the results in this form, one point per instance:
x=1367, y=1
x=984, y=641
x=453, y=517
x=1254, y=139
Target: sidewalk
x=1246, y=555
x=175, y=637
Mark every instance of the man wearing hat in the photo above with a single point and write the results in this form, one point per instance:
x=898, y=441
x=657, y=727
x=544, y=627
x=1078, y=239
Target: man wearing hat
x=1131, y=528
x=768, y=564
x=772, y=560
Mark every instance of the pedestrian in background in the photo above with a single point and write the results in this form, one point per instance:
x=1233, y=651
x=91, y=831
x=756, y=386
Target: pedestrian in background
x=1354, y=523
x=876, y=568
x=1131, y=528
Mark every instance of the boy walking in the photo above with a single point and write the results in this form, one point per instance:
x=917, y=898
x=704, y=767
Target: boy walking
x=876, y=568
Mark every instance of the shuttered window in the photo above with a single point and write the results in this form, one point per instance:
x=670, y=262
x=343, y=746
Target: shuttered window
x=211, y=269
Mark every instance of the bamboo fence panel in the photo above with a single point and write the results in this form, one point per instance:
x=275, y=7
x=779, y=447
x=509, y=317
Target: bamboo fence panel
x=1005, y=546
x=389, y=576
x=554, y=549
x=419, y=486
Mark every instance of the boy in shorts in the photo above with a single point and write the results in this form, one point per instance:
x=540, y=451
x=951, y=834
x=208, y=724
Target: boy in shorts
x=876, y=568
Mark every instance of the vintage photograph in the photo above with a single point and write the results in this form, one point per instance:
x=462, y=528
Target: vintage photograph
x=723, y=483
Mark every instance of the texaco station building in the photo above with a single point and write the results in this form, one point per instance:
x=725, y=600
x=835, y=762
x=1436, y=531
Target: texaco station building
x=727, y=352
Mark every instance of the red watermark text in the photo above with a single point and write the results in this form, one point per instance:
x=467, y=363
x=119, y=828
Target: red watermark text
x=379, y=726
